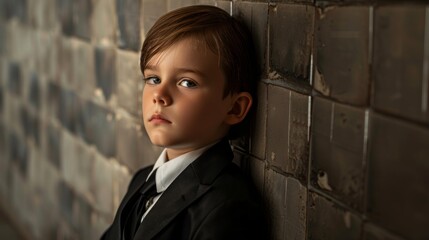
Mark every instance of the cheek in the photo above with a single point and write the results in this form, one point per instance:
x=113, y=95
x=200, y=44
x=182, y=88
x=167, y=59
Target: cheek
x=203, y=112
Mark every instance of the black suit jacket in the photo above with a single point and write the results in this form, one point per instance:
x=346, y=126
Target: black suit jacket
x=210, y=199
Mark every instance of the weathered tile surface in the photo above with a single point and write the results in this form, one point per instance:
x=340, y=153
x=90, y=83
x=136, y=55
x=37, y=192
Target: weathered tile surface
x=105, y=67
x=400, y=81
x=128, y=14
x=326, y=220
x=397, y=161
x=290, y=51
x=342, y=54
x=338, y=151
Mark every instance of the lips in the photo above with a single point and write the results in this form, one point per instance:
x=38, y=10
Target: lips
x=158, y=118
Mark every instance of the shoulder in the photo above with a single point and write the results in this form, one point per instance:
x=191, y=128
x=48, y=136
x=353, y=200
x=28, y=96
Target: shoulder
x=231, y=188
x=233, y=181
x=231, y=209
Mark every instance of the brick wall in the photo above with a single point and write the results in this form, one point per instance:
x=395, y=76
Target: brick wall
x=340, y=146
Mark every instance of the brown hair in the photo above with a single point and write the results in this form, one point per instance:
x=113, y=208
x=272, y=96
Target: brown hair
x=224, y=35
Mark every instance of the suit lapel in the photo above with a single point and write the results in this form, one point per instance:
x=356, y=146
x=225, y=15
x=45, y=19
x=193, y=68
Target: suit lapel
x=191, y=184
x=126, y=207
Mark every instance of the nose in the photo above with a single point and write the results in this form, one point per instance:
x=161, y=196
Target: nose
x=161, y=96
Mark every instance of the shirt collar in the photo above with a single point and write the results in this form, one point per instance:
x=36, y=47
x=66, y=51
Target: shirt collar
x=169, y=170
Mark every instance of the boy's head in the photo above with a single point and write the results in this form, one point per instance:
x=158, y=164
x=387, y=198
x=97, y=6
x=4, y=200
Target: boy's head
x=215, y=34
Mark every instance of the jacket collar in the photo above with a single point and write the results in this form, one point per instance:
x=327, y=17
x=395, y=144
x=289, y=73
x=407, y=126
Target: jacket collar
x=190, y=185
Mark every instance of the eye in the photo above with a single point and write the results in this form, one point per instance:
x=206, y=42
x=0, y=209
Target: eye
x=152, y=80
x=188, y=83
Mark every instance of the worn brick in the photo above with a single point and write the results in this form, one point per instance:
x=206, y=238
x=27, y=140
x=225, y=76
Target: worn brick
x=4, y=161
x=53, y=99
x=48, y=182
x=3, y=39
x=34, y=91
x=277, y=126
x=293, y=1
x=98, y=128
x=66, y=198
x=327, y=220
x=82, y=217
x=42, y=14
x=99, y=224
x=126, y=142
x=338, y=151
x=147, y=153
x=298, y=135
x=342, y=49
x=400, y=85
x=102, y=184
x=76, y=164
x=104, y=22
x=20, y=197
x=69, y=109
x=130, y=83
x=105, y=59
x=82, y=11
x=373, y=232
x=18, y=152
x=398, y=160
x=259, y=137
x=255, y=16
x=121, y=180
x=1, y=102
x=30, y=125
x=20, y=10
x=286, y=200
x=287, y=131
x=53, y=144
x=46, y=54
x=6, y=11
x=15, y=78
x=128, y=13
x=225, y=5
x=296, y=212
x=83, y=73
x=65, y=58
x=274, y=192
x=290, y=51
x=13, y=113
x=174, y=4
x=65, y=16
x=151, y=11
x=83, y=169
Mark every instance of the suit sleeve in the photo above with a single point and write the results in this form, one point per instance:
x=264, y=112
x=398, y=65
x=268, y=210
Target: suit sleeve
x=233, y=220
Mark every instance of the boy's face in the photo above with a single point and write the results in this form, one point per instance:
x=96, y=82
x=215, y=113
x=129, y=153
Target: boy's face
x=183, y=104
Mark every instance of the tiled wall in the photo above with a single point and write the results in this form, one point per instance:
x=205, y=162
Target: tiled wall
x=340, y=143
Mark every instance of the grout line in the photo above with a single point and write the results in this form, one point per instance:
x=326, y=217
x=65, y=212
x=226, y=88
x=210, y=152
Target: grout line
x=370, y=34
x=331, y=131
x=311, y=69
x=309, y=114
x=425, y=74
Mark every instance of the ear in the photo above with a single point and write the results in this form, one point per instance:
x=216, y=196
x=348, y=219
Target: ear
x=241, y=104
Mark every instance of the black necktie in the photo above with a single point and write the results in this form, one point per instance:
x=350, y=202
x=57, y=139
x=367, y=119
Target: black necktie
x=143, y=202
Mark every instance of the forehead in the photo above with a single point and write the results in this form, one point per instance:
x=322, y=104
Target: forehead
x=189, y=52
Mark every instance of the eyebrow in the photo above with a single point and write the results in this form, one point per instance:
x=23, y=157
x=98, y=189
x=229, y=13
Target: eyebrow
x=180, y=70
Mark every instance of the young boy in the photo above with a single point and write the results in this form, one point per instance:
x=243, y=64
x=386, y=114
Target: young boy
x=199, y=74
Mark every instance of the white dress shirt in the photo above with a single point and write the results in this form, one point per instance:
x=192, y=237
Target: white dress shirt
x=168, y=170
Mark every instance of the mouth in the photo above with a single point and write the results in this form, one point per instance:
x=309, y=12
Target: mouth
x=158, y=118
